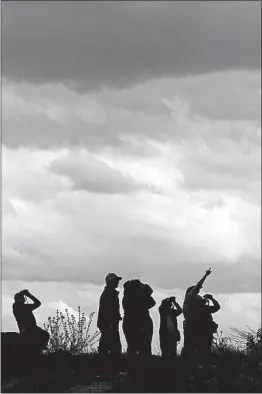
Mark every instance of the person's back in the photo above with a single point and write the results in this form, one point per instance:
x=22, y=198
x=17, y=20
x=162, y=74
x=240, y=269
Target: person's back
x=137, y=323
x=33, y=336
x=191, y=323
x=24, y=316
x=132, y=316
x=132, y=302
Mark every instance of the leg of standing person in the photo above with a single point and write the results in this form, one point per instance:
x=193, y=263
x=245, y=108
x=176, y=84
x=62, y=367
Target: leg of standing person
x=164, y=345
x=132, y=346
x=115, y=351
x=115, y=343
x=151, y=329
x=173, y=346
x=146, y=337
x=187, y=348
x=103, y=347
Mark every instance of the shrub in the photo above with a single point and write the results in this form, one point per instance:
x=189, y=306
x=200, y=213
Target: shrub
x=70, y=334
x=249, y=340
x=223, y=343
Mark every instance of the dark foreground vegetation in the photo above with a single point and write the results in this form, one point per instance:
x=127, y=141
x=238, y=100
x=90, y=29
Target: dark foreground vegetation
x=71, y=361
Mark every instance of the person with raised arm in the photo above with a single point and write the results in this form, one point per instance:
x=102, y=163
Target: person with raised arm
x=23, y=313
x=191, y=318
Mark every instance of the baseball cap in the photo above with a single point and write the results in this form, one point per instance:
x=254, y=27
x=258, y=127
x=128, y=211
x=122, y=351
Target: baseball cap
x=111, y=276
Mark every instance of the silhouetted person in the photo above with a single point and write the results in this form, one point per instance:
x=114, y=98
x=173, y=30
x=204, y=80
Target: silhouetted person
x=191, y=324
x=137, y=323
x=147, y=302
x=169, y=334
x=207, y=326
x=109, y=317
x=32, y=335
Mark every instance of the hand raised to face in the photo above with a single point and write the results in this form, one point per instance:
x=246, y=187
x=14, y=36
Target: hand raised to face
x=208, y=296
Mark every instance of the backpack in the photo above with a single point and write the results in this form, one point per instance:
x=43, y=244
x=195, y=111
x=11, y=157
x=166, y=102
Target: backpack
x=214, y=327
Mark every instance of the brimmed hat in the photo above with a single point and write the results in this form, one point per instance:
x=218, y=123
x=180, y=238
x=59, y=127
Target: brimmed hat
x=112, y=276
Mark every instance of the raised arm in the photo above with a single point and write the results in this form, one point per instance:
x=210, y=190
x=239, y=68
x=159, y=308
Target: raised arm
x=215, y=307
x=36, y=303
x=199, y=284
x=178, y=309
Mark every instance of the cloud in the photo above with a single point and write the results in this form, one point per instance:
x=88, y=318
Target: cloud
x=50, y=220
x=61, y=306
x=86, y=239
x=80, y=176
x=128, y=121
x=230, y=169
x=131, y=137
x=223, y=95
x=89, y=173
x=89, y=45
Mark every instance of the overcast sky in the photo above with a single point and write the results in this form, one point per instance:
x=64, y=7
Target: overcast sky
x=131, y=144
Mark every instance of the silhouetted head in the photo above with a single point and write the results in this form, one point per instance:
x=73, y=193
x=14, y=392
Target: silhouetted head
x=167, y=303
x=132, y=288
x=132, y=285
x=19, y=298
x=189, y=289
x=112, y=280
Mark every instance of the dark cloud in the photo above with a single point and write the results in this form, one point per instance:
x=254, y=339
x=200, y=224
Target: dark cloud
x=140, y=262
x=36, y=131
x=223, y=95
x=93, y=175
x=102, y=241
x=90, y=44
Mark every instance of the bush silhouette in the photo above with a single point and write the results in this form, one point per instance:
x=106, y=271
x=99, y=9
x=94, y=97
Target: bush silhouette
x=70, y=334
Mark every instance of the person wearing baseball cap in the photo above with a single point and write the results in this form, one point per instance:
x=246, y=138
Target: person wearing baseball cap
x=109, y=318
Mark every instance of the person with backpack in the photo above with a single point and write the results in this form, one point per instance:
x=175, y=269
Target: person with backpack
x=207, y=327
x=137, y=323
x=33, y=336
x=192, y=328
x=169, y=334
x=147, y=302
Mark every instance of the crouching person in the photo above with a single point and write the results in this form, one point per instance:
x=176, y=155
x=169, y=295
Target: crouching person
x=109, y=317
x=169, y=334
x=33, y=337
